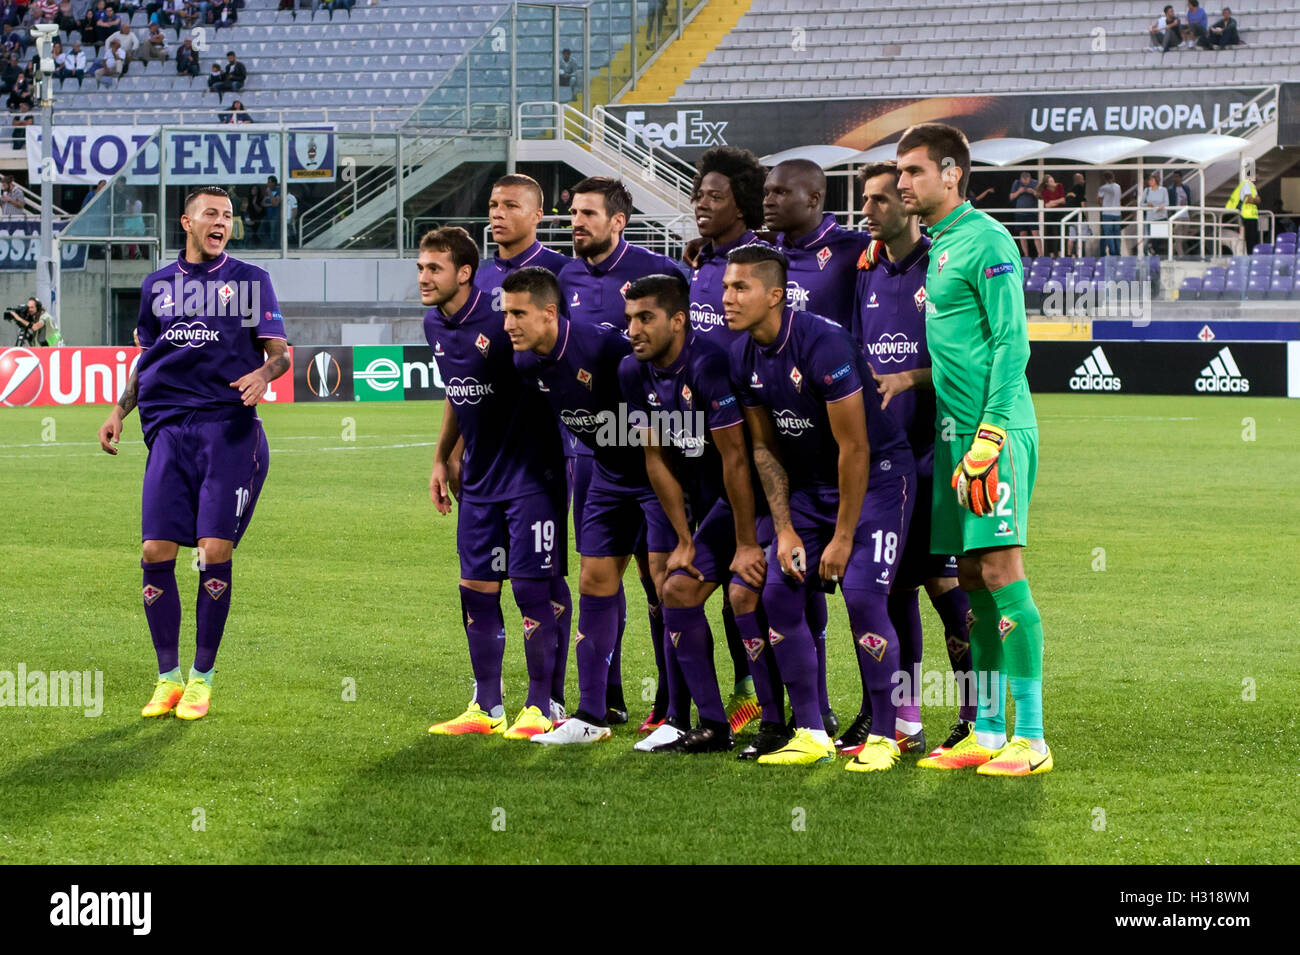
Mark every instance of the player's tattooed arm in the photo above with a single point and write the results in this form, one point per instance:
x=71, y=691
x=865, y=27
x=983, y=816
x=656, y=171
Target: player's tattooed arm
x=277, y=357
x=128, y=399
x=669, y=491
x=110, y=432
x=252, y=387
x=776, y=485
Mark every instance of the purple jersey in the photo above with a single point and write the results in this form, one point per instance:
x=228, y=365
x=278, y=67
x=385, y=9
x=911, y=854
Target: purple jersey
x=682, y=404
x=579, y=380
x=199, y=327
x=492, y=272
x=594, y=294
x=889, y=324
x=706, y=293
x=823, y=269
x=512, y=447
x=812, y=363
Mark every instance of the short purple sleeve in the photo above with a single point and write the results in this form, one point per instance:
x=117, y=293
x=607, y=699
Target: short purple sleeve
x=717, y=398
x=270, y=322
x=834, y=371
x=146, y=325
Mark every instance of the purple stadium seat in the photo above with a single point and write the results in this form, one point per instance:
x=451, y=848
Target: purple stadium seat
x=1257, y=288
x=1189, y=289
x=1281, y=288
x=1263, y=248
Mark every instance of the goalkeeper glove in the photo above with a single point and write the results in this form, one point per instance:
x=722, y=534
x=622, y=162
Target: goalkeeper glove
x=976, y=477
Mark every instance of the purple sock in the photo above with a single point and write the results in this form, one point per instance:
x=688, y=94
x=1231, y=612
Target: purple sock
x=739, y=660
x=483, y=627
x=762, y=666
x=661, y=663
x=597, y=633
x=533, y=597
x=817, y=617
x=616, y=652
x=953, y=608
x=211, y=612
x=562, y=606
x=688, y=631
x=877, y=647
x=679, y=695
x=162, y=610
x=794, y=647
x=905, y=615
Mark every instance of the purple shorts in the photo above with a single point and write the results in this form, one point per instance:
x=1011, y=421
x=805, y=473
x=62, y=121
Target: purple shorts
x=202, y=478
x=614, y=517
x=580, y=470
x=715, y=543
x=878, y=540
x=918, y=564
x=525, y=537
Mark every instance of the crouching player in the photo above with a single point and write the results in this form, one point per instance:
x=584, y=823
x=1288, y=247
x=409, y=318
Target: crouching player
x=839, y=479
x=512, y=516
x=197, y=386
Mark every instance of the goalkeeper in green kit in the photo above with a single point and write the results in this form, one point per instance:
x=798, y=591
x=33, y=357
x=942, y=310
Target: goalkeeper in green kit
x=987, y=440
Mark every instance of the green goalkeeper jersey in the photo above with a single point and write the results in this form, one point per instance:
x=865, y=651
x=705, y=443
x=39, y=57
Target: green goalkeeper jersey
x=975, y=323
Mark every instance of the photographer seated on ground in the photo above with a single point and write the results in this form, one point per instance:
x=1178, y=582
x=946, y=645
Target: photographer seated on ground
x=34, y=325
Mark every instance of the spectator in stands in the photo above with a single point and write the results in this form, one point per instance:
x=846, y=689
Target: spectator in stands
x=110, y=65
x=975, y=200
x=10, y=14
x=290, y=211
x=12, y=202
x=66, y=20
x=1024, y=225
x=567, y=69
x=1179, y=195
x=1109, y=198
x=236, y=114
x=189, y=14
x=89, y=22
x=11, y=41
x=187, y=58
x=45, y=11
x=1155, y=208
x=1247, y=197
x=9, y=73
x=1224, y=32
x=169, y=15
x=269, y=234
x=72, y=65
x=1076, y=230
x=1173, y=35
x=232, y=77
x=21, y=94
x=222, y=13
x=254, y=210
x=128, y=43
x=1197, y=24
x=1052, y=194
x=1157, y=31
x=214, y=78
x=22, y=119
x=154, y=46
x=107, y=25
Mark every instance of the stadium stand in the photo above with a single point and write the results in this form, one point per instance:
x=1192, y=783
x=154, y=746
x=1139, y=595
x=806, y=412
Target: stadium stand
x=854, y=48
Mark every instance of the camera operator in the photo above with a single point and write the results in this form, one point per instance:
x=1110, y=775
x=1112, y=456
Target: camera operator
x=34, y=324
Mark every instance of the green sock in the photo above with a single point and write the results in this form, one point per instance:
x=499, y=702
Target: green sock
x=986, y=661
x=1023, y=651
x=744, y=687
x=200, y=675
x=173, y=674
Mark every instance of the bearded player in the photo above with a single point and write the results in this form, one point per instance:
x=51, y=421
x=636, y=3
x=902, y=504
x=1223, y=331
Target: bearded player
x=979, y=346
x=206, y=322
x=511, y=520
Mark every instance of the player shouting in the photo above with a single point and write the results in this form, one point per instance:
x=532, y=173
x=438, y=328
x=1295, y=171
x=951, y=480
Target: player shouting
x=979, y=345
x=511, y=521
x=889, y=323
x=206, y=321
x=839, y=478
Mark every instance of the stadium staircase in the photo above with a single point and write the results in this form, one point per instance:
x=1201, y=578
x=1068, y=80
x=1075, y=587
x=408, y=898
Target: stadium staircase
x=674, y=65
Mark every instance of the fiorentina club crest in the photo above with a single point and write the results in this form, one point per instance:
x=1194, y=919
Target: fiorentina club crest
x=623, y=290
x=797, y=378
x=225, y=293
x=919, y=299
x=482, y=343
x=823, y=256
x=686, y=394
x=584, y=378
x=1005, y=626
x=215, y=588
x=529, y=626
x=956, y=645
x=674, y=636
x=754, y=647
x=874, y=644
x=151, y=593
x=581, y=636
x=558, y=609
x=943, y=260
x=773, y=637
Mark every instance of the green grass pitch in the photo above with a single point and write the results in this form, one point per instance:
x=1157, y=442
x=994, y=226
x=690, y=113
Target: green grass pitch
x=1170, y=698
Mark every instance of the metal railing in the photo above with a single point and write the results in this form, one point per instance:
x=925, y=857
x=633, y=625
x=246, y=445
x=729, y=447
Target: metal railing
x=610, y=139
x=346, y=118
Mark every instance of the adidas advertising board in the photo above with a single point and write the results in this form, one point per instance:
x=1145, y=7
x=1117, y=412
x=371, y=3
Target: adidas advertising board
x=1160, y=368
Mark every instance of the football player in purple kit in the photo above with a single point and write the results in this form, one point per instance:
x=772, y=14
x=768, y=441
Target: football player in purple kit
x=212, y=340
x=840, y=482
x=728, y=198
x=594, y=284
x=512, y=516
x=696, y=458
x=575, y=370
x=514, y=212
x=822, y=259
x=889, y=323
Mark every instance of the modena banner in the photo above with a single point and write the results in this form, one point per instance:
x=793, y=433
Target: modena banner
x=83, y=376
x=1160, y=368
x=771, y=126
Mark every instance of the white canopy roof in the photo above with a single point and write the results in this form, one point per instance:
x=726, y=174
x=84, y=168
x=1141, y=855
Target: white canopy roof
x=1200, y=148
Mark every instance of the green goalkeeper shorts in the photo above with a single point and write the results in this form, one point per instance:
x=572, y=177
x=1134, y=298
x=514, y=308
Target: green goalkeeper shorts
x=956, y=530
